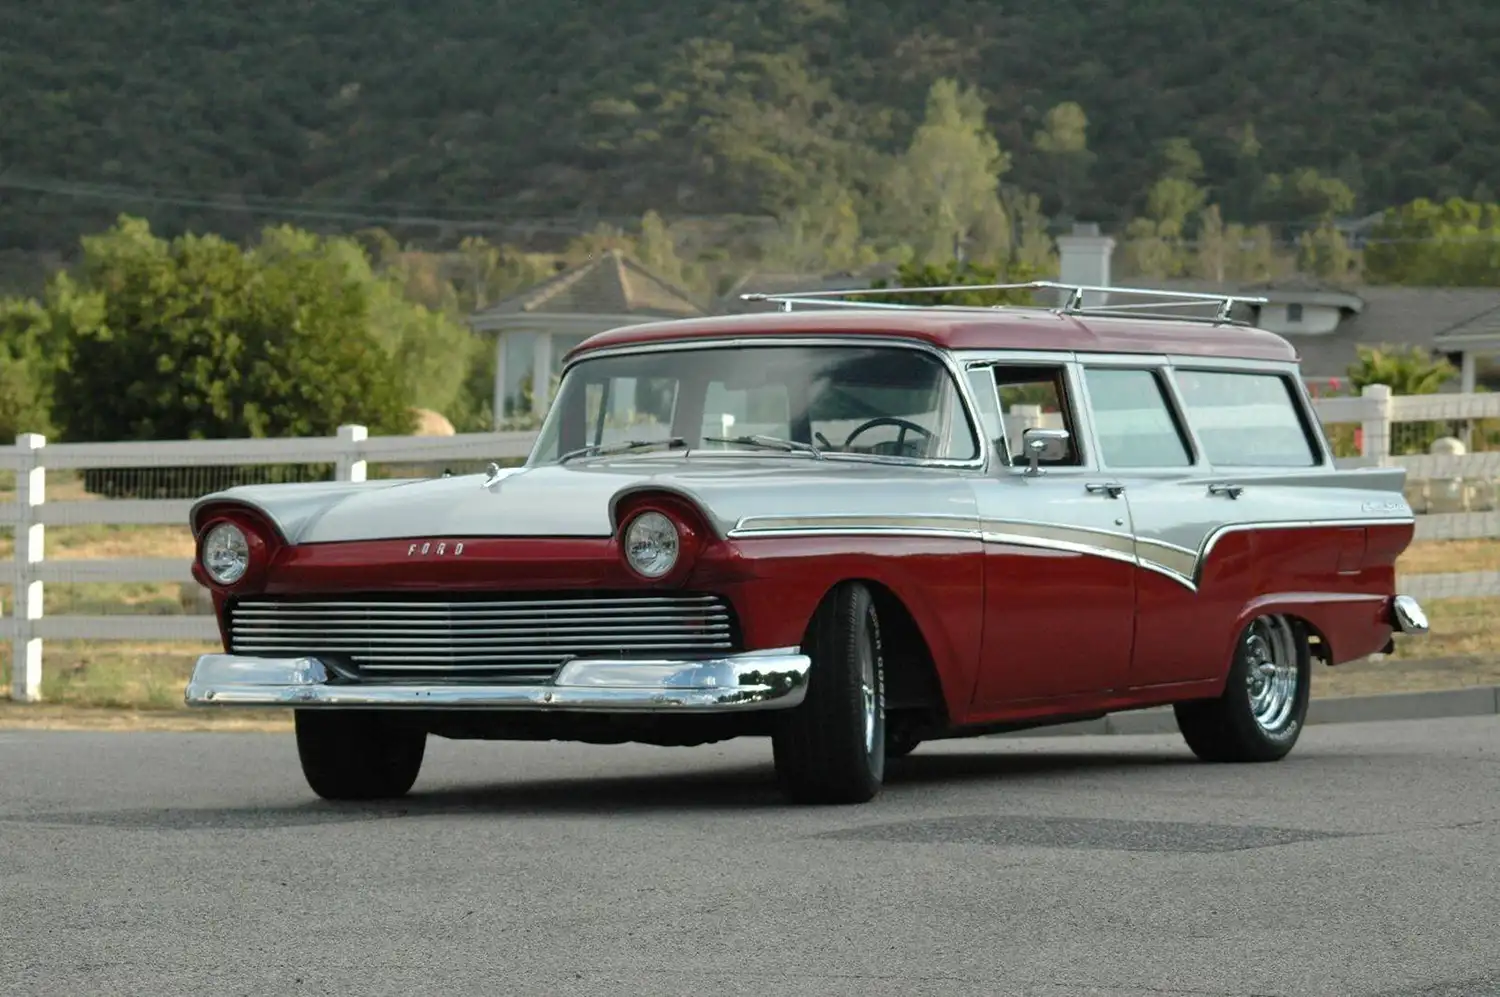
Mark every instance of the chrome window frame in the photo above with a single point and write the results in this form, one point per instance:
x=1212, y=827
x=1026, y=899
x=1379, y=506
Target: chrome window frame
x=946, y=358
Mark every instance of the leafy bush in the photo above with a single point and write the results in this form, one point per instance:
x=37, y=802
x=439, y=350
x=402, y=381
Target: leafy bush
x=199, y=339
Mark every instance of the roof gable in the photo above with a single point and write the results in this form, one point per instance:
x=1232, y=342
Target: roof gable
x=608, y=284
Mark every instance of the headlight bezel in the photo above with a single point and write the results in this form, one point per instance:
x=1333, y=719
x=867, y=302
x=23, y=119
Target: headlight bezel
x=261, y=541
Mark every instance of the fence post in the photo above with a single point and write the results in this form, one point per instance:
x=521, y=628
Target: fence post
x=1375, y=428
x=31, y=492
x=351, y=467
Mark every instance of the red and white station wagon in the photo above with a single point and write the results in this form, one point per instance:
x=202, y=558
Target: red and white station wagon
x=853, y=528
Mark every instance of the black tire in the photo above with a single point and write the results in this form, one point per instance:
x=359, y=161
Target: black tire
x=1227, y=729
x=358, y=755
x=821, y=748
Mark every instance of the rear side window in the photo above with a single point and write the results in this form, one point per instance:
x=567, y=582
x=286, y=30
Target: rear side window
x=1133, y=420
x=1245, y=419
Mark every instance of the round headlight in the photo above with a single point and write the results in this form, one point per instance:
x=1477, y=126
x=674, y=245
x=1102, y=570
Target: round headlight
x=226, y=554
x=651, y=544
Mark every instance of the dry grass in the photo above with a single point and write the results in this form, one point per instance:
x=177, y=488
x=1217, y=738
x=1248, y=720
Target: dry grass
x=1462, y=650
x=1431, y=557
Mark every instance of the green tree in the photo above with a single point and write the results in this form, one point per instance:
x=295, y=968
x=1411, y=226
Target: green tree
x=25, y=373
x=1324, y=252
x=943, y=191
x=1155, y=242
x=1408, y=371
x=195, y=338
x=1452, y=244
x=1063, y=146
x=955, y=274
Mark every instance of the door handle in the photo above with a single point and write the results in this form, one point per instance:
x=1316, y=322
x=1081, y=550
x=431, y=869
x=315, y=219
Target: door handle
x=1111, y=488
x=1233, y=491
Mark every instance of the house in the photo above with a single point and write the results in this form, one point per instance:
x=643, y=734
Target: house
x=535, y=329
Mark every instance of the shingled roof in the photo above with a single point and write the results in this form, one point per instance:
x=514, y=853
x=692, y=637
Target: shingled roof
x=1432, y=318
x=609, y=284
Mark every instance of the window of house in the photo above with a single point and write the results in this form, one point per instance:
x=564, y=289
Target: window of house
x=1246, y=419
x=1134, y=421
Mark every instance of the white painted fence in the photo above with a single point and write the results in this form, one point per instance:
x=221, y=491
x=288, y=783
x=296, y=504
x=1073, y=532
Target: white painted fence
x=1457, y=496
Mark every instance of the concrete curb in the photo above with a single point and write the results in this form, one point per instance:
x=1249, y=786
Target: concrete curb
x=1478, y=701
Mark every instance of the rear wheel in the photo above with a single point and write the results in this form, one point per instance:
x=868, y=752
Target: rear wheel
x=831, y=748
x=358, y=755
x=1263, y=708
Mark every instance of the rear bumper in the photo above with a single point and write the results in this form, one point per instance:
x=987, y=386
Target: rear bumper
x=760, y=680
x=1407, y=616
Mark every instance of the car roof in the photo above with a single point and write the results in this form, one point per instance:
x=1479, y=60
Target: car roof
x=970, y=329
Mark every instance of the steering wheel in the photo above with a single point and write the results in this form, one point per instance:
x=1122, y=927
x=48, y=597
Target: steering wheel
x=888, y=420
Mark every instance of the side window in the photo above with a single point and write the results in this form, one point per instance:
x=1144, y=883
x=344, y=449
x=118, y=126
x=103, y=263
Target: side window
x=1133, y=419
x=1246, y=419
x=1036, y=396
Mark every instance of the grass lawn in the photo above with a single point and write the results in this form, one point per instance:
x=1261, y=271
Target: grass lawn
x=1463, y=648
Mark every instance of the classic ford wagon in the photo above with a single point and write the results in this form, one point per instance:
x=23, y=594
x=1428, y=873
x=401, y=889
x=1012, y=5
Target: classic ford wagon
x=852, y=528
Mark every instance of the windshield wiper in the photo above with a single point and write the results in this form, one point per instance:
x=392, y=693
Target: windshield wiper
x=625, y=446
x=773, y=442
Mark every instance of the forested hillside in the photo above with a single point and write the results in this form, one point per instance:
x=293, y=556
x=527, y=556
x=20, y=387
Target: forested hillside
x=360, y=111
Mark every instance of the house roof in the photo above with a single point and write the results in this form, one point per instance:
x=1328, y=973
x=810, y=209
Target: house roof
x=970, y=329
x=608, y=284
x=1431, y=318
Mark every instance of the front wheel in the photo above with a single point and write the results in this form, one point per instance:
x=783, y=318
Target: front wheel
x=358, y=755
x=1263, y=708
x=831, y=748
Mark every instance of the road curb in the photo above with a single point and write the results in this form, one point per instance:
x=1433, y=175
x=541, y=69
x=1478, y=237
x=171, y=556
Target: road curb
x=1477, y=701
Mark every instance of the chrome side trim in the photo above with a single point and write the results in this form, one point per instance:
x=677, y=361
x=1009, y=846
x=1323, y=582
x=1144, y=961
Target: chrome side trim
x=1067, y=546
x=760, y=680
x=1181, y=564
x=844, y=525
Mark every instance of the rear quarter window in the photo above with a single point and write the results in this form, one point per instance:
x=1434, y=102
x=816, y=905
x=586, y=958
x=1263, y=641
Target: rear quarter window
x=1245, y=418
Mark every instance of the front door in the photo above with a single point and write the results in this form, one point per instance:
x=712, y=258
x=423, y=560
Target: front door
x=1059, y=556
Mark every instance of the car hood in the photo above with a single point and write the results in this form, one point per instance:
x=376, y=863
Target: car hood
x=579, y=499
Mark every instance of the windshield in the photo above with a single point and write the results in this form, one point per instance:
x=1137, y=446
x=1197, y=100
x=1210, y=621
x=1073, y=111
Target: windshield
x=804, y=401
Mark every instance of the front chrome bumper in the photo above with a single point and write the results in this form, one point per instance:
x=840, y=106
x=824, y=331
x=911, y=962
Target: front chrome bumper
x=759, y=680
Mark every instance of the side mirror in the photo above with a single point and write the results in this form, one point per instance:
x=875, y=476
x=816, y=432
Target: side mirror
x=1038, y=443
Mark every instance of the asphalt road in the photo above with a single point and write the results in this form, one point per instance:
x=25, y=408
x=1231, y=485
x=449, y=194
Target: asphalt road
x=1366, y=864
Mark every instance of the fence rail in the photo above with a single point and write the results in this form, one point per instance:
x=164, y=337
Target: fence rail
x=1453, y=483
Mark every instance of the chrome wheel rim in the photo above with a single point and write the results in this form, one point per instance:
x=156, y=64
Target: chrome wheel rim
x=1271, y=674
x=868, y=700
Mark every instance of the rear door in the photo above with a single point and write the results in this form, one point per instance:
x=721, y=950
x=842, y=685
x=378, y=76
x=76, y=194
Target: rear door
x=1184, y=610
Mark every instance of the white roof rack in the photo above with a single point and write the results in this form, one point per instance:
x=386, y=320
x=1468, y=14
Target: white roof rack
x=1222, y=304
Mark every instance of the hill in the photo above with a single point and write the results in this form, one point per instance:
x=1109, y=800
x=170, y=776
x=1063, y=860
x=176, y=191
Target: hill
x=222, y=115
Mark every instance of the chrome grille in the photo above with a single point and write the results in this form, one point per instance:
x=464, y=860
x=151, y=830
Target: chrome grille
x=505, y=638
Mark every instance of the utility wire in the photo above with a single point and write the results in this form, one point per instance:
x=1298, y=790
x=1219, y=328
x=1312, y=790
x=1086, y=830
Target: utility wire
x=426, y=215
